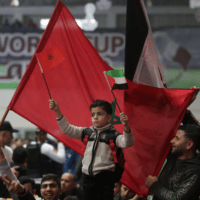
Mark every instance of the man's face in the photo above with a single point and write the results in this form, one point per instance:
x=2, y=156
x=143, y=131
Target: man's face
x=100, y=118
x=29, y=186
x=126, y=193
x=179, y=143
x=50, y=190
x=8, y=138
x=67, y=183
x=117, y=188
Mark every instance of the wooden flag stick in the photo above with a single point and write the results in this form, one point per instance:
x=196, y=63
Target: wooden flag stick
x=4, y=117
x=116, y=101
x=44, y=78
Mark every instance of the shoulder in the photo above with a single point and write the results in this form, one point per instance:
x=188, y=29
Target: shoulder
x=45, y=147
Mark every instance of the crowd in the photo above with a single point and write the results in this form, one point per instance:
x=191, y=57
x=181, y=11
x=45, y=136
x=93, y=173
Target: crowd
x=35, y=170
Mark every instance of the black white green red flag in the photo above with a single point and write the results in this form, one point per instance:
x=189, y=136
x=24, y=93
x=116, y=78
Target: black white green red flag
x=116, y=79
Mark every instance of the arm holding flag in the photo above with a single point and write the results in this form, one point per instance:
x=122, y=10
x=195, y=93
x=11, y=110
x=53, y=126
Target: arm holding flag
x=68, y=129
x=126, y=140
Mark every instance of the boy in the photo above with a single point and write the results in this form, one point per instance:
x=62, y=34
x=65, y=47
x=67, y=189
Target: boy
x=98, y=165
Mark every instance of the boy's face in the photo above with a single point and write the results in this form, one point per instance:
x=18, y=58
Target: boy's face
x=100, y=117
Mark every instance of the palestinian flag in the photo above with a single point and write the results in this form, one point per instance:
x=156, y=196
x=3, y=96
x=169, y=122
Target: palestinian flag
x=142, y=64
x=116, y=79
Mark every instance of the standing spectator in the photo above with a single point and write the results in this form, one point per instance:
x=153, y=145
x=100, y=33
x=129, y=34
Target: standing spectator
x=69, y=186
x=125, y=193
x=43, y=158
x=20, y=160
x=6, y=131
x=180, y=178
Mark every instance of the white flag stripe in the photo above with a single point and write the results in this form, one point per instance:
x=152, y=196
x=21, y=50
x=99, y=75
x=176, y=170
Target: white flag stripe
x=120, y=80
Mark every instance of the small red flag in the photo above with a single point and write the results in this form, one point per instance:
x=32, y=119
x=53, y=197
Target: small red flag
x=50, y=57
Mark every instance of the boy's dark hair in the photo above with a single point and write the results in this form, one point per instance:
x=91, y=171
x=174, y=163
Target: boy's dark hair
x=19, y=155
x=53, y=177
x=26, y=179
x=106, y=106
x=192, y=132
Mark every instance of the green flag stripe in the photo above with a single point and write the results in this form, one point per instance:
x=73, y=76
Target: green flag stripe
x=115, y=73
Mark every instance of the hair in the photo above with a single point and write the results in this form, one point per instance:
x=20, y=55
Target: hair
x=73, y=175
x=39, y=131
x=192, y=132
x=53, y=177
x=19, y=155
x=26, y=179
x=106, y=106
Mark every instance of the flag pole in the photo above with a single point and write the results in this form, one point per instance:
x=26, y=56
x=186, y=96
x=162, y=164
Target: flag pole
x=112, y=91
x=116, y=101
x=4, y=117
x=44, y=78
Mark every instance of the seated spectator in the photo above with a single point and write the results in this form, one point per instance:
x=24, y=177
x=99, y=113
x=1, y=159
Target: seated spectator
x=69, y=186
x=20, y=160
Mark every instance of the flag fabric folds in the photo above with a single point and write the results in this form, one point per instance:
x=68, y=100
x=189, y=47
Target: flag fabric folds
x=49, y=58
x=142, y=64
x=116, y=79
x=77, y=79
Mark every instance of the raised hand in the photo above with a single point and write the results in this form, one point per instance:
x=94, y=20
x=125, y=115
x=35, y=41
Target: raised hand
x=13, y=186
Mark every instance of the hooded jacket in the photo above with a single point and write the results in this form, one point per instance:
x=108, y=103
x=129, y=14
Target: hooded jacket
x=102, y=159
x=179, y=180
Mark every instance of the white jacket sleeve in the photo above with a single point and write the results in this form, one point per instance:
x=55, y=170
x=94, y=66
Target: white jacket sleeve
x=126, y=140
x=56, y=155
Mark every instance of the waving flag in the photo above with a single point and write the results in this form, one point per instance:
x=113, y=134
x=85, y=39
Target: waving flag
x=50, y=57
x=116, y=79
x=142, y=64
x=77, y=79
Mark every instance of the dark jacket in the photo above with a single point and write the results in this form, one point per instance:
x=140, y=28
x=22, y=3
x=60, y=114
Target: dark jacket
x=179, y=180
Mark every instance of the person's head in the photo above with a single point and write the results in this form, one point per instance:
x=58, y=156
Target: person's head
x=40, y=134
x=68, y=183
x=6, y=131
x=28, y=183
x=20, y=156
x=126, y=193
x=186, y=141
x=101, y=112
x=50, y=187
x=117, y=188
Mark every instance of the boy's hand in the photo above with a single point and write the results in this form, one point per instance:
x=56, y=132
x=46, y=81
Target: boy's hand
x=124, y=120
x=53, y=105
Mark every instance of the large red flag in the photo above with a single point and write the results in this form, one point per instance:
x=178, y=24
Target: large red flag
x=77, y=79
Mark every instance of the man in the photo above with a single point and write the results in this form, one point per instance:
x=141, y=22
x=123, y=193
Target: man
x=125, y=194
x=43, y=158
x=6, y=136
x=28, y=183
x=50, y=188
x=180, y=178
x=69, y=186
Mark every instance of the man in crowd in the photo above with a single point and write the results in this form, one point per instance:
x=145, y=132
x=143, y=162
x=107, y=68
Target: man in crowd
x=28, y=183
x=69, y=186
x=43, y=157
x=180, y=178
x=6, y=136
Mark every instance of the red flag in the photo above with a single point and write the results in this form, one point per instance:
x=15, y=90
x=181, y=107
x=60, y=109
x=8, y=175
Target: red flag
x=50, y=57
x=79, y=79
x=75, y=79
